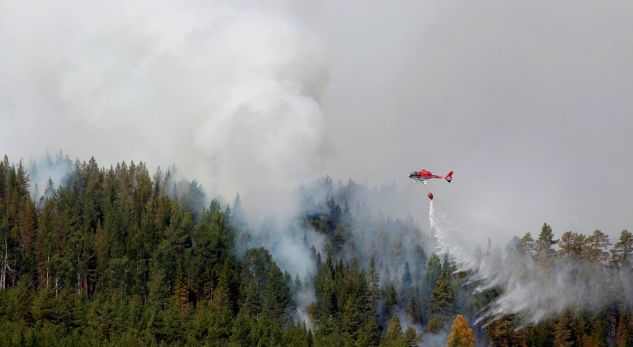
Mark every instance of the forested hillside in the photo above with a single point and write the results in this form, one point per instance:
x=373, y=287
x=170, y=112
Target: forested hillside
x=118, y=256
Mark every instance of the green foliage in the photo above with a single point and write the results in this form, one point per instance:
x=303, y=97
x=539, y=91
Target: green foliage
x=545, y=243
x=441, y=302
x=118, y=257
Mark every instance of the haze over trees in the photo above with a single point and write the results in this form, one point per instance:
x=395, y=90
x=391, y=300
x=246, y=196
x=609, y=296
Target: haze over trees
x=117, y=256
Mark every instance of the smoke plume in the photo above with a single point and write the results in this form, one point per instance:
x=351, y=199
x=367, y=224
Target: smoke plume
x=533, y=291
x=234, y=93
x=229, y=93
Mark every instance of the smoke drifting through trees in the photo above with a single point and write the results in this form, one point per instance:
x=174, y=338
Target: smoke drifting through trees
x=537, y=281
x=229, y=93
x=366, y=272
x=47, y=174
x=232, y=94
x=347, y=221
x=350, y=221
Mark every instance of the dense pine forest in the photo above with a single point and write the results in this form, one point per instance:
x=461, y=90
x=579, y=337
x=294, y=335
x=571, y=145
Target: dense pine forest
x=118, y=256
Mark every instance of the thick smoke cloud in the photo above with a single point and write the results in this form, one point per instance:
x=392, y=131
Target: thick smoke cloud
x=529, y=103
x=227, y=92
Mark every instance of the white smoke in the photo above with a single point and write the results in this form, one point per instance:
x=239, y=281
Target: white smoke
x=227, y=92
x=290, y=244
x=48, y=174
x=532, y=291
x=434, y=339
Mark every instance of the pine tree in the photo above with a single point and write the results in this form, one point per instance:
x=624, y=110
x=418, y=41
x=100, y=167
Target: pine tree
x=413, y=309
x=596, y=247
x=369, y=334
x=622, y=334
x=373, y=280
x=622, y=252
x=571, y=245
x=461, y=335
x=526, y=246
x=393, y=336
x=276, y=295
x=441, y=301
x=434, y=268
x=544, y=244
x=500, y=331
x=350, y=321
x=240, y=334
x=563, y=332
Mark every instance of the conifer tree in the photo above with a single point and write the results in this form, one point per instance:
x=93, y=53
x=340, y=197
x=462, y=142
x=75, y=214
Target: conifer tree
x=393, y=336
x=526, y=246
x=544, y=244
x=373, y=282
x=562, y=332
x=596, y=245
x=461, y=335
x=622, y=251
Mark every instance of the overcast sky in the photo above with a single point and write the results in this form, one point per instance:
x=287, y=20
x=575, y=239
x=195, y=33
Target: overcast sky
x=529, y=102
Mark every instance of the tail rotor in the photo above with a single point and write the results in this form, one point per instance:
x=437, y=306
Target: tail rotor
x=449, y=176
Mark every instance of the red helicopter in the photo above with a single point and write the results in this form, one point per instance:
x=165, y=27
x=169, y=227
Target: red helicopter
x=425, y=175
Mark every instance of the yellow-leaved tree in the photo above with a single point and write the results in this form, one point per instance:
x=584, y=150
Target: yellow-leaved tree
x=461, y=334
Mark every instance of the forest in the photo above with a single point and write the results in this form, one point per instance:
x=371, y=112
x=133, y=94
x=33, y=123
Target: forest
x=124, y=257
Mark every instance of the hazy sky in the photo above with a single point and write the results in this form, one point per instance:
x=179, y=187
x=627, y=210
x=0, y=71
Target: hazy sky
x=529, y=102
